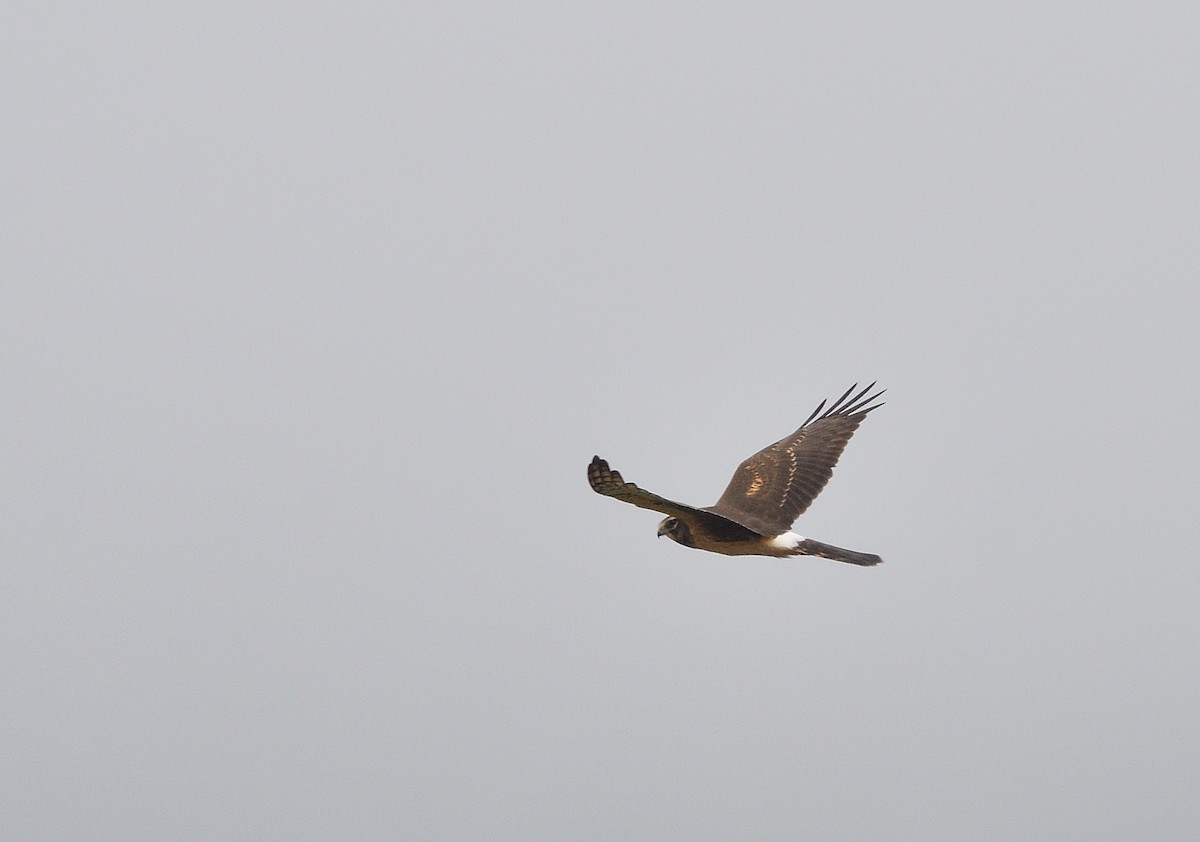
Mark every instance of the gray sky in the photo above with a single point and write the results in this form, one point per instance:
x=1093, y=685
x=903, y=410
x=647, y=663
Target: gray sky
x=311, y=318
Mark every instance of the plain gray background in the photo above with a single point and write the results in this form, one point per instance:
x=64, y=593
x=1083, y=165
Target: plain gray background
x=313, y=314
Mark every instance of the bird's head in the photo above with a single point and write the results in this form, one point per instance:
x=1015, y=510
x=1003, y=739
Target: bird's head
x=676, y=530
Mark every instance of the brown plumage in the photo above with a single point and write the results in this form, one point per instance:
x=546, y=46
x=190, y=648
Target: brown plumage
x=767, y=492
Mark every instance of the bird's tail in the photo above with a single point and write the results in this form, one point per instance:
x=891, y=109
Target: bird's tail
x=810, y=547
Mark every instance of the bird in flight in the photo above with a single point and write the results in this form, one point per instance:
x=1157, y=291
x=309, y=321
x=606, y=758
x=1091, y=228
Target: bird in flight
x=767, y=493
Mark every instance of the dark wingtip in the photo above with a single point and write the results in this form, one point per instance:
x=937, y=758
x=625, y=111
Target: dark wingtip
x=814, y=414
x=847, y=405
x=601, y=477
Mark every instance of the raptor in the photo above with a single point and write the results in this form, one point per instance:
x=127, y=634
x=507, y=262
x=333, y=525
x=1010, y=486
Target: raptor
x=767, y=493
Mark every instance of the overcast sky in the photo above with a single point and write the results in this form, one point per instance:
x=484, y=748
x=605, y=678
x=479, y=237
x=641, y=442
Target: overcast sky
x=312, y=315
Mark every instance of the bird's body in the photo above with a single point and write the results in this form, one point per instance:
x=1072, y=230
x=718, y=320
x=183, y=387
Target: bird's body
x=767, y=493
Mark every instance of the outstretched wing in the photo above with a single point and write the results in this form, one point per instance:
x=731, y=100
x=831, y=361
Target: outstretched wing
x=608, y=482
x=774, y=486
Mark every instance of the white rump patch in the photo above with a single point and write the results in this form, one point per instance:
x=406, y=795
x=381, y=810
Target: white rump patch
x=786, y=541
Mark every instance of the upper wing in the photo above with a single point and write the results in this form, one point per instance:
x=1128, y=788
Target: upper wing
x=609, y=483
x=774, y=486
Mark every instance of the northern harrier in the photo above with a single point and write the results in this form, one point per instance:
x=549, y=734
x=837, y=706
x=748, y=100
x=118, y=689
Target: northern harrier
x=767, y=493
